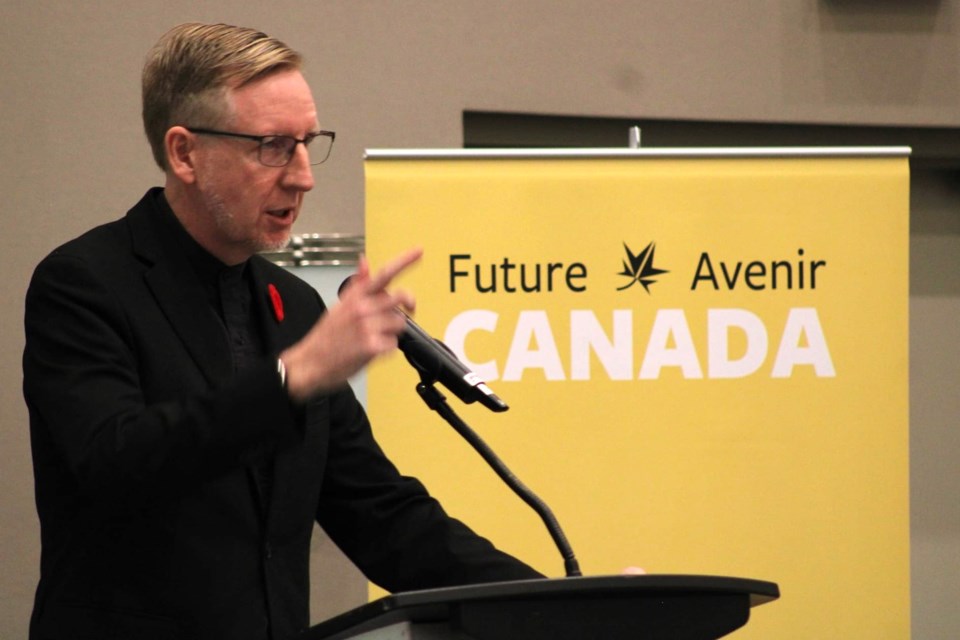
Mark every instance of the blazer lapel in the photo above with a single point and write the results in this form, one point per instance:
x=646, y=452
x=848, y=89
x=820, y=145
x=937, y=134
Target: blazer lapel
x=269, y=299
x=183, y=301
x=278, y=332
x=268, y=307
x=178, y=292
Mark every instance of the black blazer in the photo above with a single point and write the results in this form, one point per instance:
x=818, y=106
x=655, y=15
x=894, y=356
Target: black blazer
x=144, y=444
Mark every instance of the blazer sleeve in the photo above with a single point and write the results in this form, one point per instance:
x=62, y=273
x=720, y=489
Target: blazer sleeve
x=89, y=414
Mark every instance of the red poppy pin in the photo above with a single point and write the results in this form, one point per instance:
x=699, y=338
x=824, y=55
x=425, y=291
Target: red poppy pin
x=277, y=302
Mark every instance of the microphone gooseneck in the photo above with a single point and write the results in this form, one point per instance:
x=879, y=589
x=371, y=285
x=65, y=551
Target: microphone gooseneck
x=435, y=400
x=435, y=362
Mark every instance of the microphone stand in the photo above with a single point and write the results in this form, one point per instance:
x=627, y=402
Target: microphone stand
x=437, y=402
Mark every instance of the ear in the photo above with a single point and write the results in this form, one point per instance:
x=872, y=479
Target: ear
x=181, y=148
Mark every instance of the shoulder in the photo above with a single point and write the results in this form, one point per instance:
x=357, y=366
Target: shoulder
x=104, y=259
x=109, y=246
x=102, y=250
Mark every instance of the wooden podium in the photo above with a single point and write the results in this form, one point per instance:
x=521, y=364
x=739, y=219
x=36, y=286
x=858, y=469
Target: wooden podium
x=654, y=607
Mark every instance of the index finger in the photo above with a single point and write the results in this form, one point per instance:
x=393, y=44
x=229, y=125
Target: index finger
x=392, y=269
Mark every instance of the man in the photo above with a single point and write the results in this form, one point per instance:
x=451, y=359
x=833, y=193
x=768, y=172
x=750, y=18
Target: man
x=189, y=412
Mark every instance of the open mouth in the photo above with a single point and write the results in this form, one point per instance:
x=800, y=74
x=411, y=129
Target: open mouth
x=281, y=214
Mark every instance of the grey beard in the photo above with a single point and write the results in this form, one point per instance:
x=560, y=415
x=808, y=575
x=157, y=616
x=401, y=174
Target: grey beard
x=224, y=220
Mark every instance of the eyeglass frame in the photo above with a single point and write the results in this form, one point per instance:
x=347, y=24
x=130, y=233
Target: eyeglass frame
x=261, y=140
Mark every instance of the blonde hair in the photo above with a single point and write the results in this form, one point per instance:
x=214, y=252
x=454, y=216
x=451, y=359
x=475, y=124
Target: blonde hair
x=189, y=70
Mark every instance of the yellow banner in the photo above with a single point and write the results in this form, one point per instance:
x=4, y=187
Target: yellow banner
x=705, y=360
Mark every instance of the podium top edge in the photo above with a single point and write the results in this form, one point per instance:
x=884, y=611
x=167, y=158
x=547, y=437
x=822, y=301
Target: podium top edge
x=760, y=591
x=432, y=605
x=649, y=153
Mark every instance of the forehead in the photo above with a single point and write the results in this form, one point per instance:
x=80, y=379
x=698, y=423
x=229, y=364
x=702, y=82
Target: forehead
x=277, y=103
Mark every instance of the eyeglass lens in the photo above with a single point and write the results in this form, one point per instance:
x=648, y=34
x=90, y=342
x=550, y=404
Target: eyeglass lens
x=277, y=151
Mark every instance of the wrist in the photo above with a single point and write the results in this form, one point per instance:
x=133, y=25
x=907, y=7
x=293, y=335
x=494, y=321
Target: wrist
x=294, y=373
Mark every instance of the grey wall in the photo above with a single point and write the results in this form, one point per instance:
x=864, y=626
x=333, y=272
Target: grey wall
x=935, y=404
x=399, y=73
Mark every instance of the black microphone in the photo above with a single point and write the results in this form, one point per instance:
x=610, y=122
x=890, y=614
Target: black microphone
x=436, y=362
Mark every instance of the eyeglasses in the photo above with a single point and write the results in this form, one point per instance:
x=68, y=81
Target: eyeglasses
x=277, y=151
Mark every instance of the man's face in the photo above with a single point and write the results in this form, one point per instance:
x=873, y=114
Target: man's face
x=249, y=207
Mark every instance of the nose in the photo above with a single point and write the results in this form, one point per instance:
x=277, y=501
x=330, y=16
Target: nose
x=298, y=174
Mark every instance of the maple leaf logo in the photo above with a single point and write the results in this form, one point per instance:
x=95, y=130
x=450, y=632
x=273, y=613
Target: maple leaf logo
x=639, y=268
